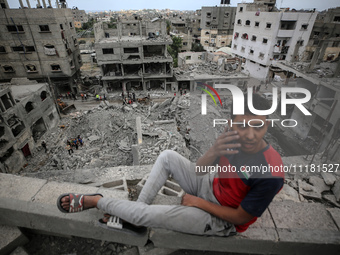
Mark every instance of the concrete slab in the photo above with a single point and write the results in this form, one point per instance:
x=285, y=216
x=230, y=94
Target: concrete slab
x=306, y=242
x=335, y=212
x=265, y=221
x=291, y=215
x=16, y=187
x=10, y=239
x=336, y=190
x=256, y=241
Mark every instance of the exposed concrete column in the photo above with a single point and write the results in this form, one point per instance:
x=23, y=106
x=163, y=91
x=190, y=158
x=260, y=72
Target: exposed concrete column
x=337, y=70
x=314, y=59
x=140, y=29
x=39, y=4
x=322, y=51
x=58, y=6
x=21, y=4
x=28, y=3
x=124, y=86
x=139, y=130
x=44, y=3
x=119, y=27
x=49, y=2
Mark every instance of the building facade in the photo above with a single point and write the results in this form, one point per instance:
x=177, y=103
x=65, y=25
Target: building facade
x=217, y=24
x=27, y=111
x=39, y=43
x=134, y=54
x=263, y=34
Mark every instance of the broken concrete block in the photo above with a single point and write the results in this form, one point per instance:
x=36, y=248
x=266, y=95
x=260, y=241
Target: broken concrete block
x=287, y=193
x=329, y=178
x=10, y=239
x=308, y=191
x=318, y=183
x=116, y=184
x=336, y=190
x=335, y=212
x=331, y=199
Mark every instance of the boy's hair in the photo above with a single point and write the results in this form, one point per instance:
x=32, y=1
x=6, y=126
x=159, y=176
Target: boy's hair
x=259, y=103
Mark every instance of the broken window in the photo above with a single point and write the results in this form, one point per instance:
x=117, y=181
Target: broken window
x=31, y=68
x=44, y=28
x=226, y=14
x=207, y=24
x=241, y=9
x=208, y=14
x=188, y=57
x=251, y=52
x=235, y=47
x=16, y=125
x=23, y=48
x=107, y=50
x=50, y=50
x=257, y=24
x=245, y=36
x=7, y=100
x=207, y=33
x=12, y=28
x=153, y=50
x=51, y=116
x=253, y=38
x=265, y=40
x=243, y=49
x=8, y=69
x=55, y=68
x=7, y=155
x=261, y=55
x=43, y=95
x=131, y=50
x=18, y=48
x=247, y=22
x=239, y=22
x=61, y=26
x=29, y=107
x=2, y=49
x=185, y=43
x=71, y=25
x=288, y=25
x=38, y=129
x=304, y=26
x=132, y=70
x=336, y=19
x=269, y=25
x=300, y=42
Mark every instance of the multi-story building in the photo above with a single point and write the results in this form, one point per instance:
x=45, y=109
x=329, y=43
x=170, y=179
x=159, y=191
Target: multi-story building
x=217, y=24
x=27, y=111
x=263, y=34
x=325, y=37
x=79, y=17
x=133, y=54
x=39, y=43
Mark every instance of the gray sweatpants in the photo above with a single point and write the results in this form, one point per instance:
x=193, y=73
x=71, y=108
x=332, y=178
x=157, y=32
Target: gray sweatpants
x=173, y=217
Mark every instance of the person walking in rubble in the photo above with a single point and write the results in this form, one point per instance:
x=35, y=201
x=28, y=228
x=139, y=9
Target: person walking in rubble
x=133, y=97
x=43, y=144
x=217, y=202
x=69, y=148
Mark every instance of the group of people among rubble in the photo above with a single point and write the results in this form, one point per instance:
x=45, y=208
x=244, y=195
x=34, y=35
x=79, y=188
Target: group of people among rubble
x=74, y=143
x=181, y=92
x=129, y=99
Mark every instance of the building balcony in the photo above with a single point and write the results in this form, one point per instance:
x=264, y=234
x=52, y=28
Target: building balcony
x=285, y=33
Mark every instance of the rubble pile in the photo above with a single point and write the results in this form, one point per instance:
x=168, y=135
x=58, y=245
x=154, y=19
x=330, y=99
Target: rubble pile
x=211, y=68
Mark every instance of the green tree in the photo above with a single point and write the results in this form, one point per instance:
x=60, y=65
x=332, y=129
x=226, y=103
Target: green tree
x=197, y=47
x=175, y=48
x=168, y=27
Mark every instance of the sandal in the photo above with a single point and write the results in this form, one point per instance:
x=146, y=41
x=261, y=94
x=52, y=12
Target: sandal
x=76, y=202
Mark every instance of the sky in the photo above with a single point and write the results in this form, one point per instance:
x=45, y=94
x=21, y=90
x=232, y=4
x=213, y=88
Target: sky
x=116, y=5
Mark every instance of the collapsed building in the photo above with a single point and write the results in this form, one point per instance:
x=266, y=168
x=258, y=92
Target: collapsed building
x=40, y=44
x=133, y=55
x=27, y=112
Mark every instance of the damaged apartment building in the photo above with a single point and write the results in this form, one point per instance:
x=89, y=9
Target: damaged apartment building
x=264, y=35
x=39, y=43
x=27, y=112
x=133, y=55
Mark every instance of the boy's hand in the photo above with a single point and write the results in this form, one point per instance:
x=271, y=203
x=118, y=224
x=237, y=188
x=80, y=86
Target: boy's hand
x=226, y=143
x=190, y=200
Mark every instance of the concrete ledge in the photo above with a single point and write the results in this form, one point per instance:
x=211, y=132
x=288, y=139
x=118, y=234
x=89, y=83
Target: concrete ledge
x=33, y=206
x=285, y=228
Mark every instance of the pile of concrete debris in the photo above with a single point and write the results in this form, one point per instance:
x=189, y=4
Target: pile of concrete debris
x=211, y=68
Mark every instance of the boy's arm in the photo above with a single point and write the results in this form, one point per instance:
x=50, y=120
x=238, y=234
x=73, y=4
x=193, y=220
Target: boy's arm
x=222, y=146
x=236, y=216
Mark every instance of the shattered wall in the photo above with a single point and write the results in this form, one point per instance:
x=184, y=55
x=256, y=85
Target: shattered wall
x=30, y=109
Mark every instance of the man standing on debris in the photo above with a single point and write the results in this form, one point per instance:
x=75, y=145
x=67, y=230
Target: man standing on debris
x=43, y=144
x=218, y=201
x=69, y=148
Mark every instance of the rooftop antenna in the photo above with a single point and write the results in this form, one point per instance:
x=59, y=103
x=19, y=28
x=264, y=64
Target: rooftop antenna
x=225, y=2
